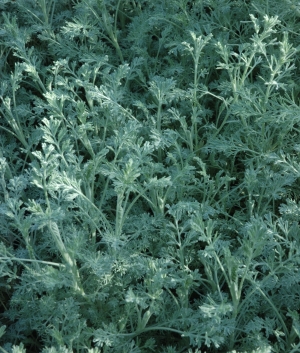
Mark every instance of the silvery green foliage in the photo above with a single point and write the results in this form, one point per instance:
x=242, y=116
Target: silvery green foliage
x=149, y=168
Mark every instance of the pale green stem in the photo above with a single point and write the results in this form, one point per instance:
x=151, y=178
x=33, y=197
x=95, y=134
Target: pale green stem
x=119, y=215
x=71, y=263
x=18, y=259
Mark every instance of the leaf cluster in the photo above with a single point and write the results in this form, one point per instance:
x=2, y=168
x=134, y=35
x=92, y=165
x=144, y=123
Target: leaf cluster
x=149, y=176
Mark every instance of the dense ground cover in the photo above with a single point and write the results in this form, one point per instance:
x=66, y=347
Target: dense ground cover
x=149, y=176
